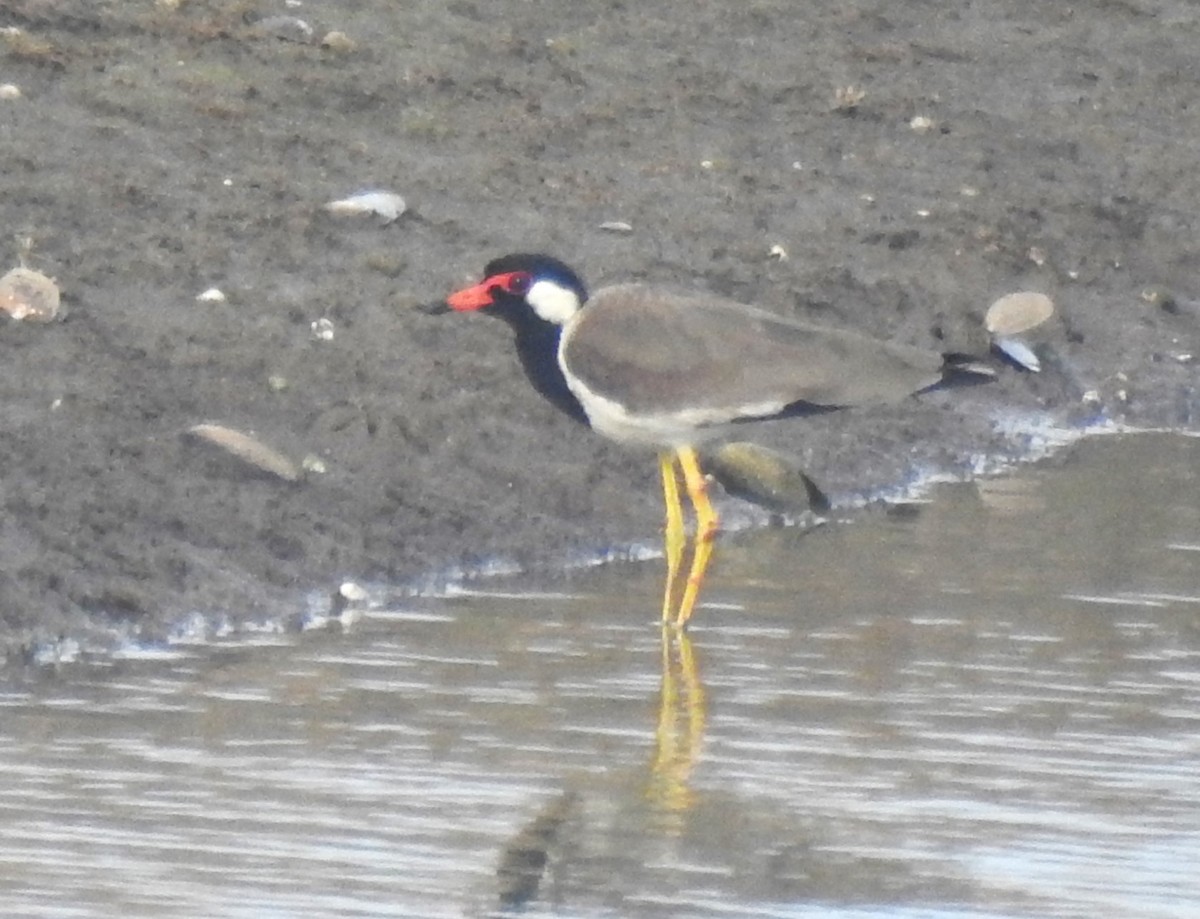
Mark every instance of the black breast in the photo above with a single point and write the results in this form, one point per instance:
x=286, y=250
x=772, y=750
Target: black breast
x=537, y=347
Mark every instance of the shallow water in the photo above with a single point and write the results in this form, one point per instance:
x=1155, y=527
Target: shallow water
x=984, y=705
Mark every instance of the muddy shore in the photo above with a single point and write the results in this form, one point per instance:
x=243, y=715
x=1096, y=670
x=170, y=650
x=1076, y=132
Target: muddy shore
x=160, y=149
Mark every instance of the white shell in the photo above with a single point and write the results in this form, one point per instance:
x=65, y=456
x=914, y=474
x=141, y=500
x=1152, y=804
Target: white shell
x=10, y=91
x=387, y=204
x=212, y=295
x=248, y=449
x=1019, y=352
x=29, y=294
x=1019, y=312
x=616, y=226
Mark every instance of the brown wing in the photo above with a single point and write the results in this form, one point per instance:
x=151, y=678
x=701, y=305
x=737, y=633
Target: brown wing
x=656, y=351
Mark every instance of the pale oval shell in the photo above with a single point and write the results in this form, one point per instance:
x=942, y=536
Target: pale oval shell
x=387, y=204
x=29, y=294
x=248, y=449
x=1019, y=312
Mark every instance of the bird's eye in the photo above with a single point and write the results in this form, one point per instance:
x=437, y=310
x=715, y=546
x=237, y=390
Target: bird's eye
x=519, y=283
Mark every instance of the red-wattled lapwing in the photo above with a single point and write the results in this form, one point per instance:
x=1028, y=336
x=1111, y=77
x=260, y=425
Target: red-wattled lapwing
x=648, y=366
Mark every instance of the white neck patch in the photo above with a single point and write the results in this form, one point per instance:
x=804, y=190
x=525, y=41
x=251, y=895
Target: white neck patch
x=552, y=301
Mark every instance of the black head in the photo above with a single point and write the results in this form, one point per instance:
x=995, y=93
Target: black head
x=525, y=282
x=536, y=295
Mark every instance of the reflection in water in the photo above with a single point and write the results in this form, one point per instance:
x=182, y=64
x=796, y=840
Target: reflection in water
x=986, y=706
x=524, y=858
x=680, y=731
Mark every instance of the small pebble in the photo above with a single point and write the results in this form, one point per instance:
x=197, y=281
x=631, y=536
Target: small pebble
x=1164, y=299
x=10, y=91
x=29, y=295
x=616, y=226
x=322, y=329
x=212, y=295
x=848, y=98
x=338, y=41
x=314, y=464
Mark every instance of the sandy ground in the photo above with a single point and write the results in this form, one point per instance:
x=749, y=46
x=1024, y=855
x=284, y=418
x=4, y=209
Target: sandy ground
x=160, y=149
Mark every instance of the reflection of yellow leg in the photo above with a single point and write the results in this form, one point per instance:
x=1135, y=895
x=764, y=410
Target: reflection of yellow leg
x=667, y=730
x=695, y=702
x=706, y=531
x=673, y=536
x=679, y=734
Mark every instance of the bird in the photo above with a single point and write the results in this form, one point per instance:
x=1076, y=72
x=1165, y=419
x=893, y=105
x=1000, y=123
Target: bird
x=666, y=369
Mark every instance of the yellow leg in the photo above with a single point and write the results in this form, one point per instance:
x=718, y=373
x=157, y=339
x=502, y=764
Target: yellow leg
x=673, y=535
x=706, y=531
